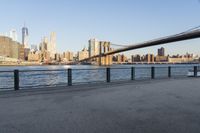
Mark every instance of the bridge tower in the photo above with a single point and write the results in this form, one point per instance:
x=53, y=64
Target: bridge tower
x=104, y=47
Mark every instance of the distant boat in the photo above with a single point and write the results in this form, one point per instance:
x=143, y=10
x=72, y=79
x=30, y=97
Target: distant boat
x=191, y=73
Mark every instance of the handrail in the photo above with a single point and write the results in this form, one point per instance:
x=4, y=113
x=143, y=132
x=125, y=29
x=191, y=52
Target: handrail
x=107, y=73
x=51, y=70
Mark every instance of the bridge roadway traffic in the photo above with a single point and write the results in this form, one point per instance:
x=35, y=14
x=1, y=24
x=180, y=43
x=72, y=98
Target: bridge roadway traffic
x=152, y=106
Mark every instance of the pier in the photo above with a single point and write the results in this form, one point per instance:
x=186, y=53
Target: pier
x=161, y=99
x=150, y=106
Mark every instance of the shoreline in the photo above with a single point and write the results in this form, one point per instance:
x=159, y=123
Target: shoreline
x=13, y=65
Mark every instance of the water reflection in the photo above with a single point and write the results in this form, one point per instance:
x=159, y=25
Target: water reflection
x=82, y=74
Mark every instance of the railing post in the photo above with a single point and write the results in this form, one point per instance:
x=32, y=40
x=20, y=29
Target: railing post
x=169, y=72
x=108, y=75
x=195, y=71
x=152, y=72
x=132, y=73
x=16, y=80
x=69, y=77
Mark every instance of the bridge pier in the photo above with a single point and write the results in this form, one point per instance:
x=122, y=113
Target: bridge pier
x=104, y=47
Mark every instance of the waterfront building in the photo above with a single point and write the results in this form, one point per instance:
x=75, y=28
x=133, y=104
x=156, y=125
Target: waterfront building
x=26, y=52
x=93, y=47
x=43, y=47
x=45, y=57
x=49, y=45
x=6, y=46
x=181, y=59
x=83, y=54
x=25, y=35
x=176, y=60
x=57, y=57
x=21, y=52
x=13, y=34
x=161, y=58
x=44, y=44
x=15, y=50
x=161, y=55
x=161, y=51
x=75, y=58
x=10, y=48
x=52, y=45
x=34, y=56
x=149, y=58
x=114, y=59
x=68, y=56
x=121, y=58
x=136, y=58
x=62, y=57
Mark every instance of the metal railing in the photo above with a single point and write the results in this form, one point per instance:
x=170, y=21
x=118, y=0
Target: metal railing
x=21, y=79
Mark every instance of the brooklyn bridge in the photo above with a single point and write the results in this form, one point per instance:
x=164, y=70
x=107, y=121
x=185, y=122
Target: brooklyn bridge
x=105, y=51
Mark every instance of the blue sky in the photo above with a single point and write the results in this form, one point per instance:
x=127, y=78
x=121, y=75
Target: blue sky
x=119, y=21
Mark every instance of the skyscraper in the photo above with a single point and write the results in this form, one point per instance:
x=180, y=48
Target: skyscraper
x=13, y=34
x=25, y=35
x=44, y=44
x=43, y=47
x=161, y=52
x=93, y=47
x=52, y=45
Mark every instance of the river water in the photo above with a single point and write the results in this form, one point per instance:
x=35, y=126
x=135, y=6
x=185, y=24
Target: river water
x=83, y=74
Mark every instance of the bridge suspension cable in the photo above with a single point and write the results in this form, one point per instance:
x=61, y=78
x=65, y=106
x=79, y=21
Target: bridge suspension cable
x=119, y=45
x=187, y=35
x=189, y=30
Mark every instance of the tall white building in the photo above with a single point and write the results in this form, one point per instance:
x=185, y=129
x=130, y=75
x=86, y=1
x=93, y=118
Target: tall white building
x=93, y=47
x=52, y=45
x=13, y=35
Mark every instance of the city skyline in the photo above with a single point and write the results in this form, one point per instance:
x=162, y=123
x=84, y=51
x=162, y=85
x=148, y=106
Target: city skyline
x=128, y=30
x=92, y=47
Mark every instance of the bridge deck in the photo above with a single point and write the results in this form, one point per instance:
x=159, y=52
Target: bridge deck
x=157, y=106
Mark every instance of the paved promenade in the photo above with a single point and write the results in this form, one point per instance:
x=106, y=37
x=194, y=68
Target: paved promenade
x=157, y=106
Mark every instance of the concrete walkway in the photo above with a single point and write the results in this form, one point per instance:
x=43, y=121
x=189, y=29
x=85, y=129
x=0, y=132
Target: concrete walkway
x=157, y=106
